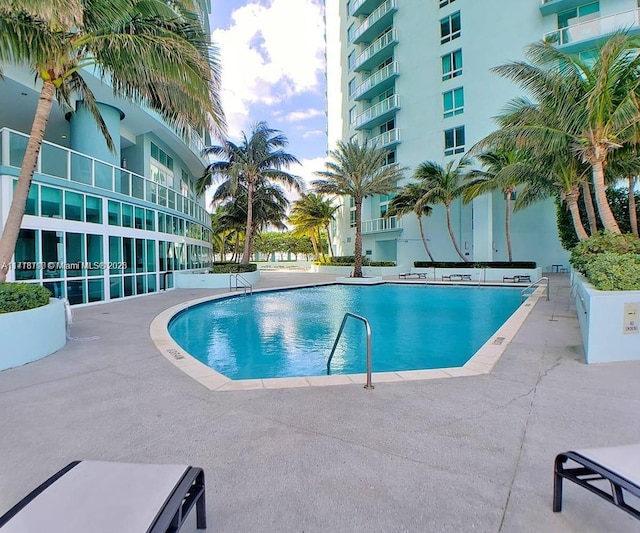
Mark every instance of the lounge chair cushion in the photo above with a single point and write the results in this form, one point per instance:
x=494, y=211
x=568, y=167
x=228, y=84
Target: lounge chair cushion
x=621, y=460
x=100, y=497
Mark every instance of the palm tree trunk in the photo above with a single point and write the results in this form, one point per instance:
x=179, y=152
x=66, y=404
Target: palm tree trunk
x=604, y=210
x=572, y=203
x=249, y=231
x=326, y=227
x=424, y=239
x=314, y=243
x=507, y=224
x=588, y=203
x=357, y=267
x=236, y=247
x=633, y=213
x=453, y=237
x=21, y=192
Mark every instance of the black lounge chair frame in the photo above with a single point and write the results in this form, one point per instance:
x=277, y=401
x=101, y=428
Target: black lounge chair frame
x=585, y=475
x=189, y=491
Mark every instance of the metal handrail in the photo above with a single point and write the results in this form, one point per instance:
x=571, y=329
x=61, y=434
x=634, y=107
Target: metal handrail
x=335, y=344
x=244, y=283
x=534, y=284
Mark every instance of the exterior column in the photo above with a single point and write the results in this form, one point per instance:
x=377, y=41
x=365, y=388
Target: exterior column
x=85, y=136
x=483, y=228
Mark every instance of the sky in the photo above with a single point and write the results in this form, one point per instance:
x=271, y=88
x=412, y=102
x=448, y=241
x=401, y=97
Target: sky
x=273, y=64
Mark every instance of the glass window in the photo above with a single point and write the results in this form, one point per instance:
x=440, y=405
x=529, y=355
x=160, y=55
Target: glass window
x=450, y=28
x=113, y=209
x=93, y=209
x=141, y=284
x=55, y=288
x=443, y=3
x=50, y=202
x=115, y=254
x=453, y=102
x=94, y=255
x=352, y=87
x=115, y=287
x=127, y=216
x=73, y=206
x=75, y=255
x=574, y=16
x=454, y=141
x=161, y=222
x=452, y=65
x=151, y=283
x=128, y=285
x=140, y=253
x=139, y=218
x=95, y=290
x=32, y=200
x=128, y=254
x=151, y=256
x=26, y=254
x=150, y=220
x=52, y=254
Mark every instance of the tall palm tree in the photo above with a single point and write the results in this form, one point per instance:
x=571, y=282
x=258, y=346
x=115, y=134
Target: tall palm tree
x=504, y=170
x=406, y=201
x=595, y=105
x=310, y=214
x=259, y=158
x=443, y=185
x=153, y=52
x=357, y=170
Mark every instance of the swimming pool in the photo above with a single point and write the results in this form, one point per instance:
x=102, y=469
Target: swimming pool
x=290, y=332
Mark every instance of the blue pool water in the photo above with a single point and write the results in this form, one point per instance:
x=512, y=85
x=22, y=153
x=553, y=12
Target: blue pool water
x=290, y=333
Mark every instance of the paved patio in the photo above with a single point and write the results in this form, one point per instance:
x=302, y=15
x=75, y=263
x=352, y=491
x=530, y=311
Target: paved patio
x=457, y=454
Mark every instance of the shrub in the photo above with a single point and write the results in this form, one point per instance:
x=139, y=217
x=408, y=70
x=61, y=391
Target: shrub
x=344, y=262
x=601, y=243
x=22, y=296
x=477, y=264
x=229, y=267
x=609, y=271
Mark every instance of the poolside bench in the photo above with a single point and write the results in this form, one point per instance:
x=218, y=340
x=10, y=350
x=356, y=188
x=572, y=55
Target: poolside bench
x=104, y=497
x=457, y=277
x=418, y=275
x=599, y=469
x=517, y=278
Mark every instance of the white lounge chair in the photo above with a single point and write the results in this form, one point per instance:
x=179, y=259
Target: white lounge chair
x=608, y=472
x=103, y=497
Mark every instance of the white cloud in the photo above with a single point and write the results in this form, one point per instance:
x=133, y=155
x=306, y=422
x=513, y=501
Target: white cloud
x=297, y=116
x=312, y=133
x=267, y=58
x=306, y=170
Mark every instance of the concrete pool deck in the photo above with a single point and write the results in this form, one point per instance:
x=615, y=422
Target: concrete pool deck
x=467, y=453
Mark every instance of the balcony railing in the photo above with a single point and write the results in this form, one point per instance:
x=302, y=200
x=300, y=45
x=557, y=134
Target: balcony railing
x=383, y=74
x=379, y=13
x=62, y=163
x=594, y=28
x=377, y=46
x=381, y=224
x=385, y=139
x=377, y=110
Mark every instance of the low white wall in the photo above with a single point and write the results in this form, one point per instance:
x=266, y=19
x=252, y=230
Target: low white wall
x=31, y=335
x=481, y=274
x=192, y=280
x=610, y=329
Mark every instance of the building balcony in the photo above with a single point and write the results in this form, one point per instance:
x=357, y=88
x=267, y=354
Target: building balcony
x=376, y=83
x=375, y=53
x=595, y=28
x=378, y=225
x=77, y=169
x=549, y=7
x=359, y=8
x=388, y=139
x=375, y=23
x=377, y=114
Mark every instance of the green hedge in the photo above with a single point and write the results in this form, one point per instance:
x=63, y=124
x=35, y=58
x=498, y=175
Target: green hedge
x=477, y=264
x=600, y=243
x=22, y=296
x=349, y=261
x=614, y=272
x=229, y=267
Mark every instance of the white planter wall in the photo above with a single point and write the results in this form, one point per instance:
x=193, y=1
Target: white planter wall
x=190, y=280
x=609, y=332
x=31, y=335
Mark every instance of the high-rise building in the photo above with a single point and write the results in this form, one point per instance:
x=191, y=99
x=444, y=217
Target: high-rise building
x=102, y=225
x=414, y=77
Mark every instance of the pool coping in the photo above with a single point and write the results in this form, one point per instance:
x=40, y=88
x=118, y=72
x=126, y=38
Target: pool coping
x=482, y=362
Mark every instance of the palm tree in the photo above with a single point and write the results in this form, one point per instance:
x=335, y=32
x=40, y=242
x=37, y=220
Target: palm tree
x=311, y=213
x=357, y=170
x=153, y=52
x=594, y=105
x=443, y=185
x=504, y=170
x=257, y=159
x=406, y=201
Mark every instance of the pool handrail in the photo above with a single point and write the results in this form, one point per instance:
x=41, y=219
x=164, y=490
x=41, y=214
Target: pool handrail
x=523, y=294
x=241, y=281
x=368, y=385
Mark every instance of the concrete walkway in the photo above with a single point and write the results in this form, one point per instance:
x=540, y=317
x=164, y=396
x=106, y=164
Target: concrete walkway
x=458, y=454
